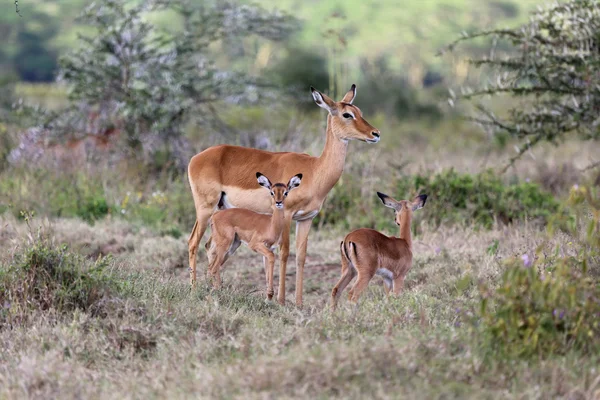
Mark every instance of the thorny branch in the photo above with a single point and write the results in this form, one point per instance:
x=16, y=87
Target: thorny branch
x=551, y=64
x=17, y=8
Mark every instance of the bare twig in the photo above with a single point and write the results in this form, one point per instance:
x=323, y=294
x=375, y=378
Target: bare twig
x=18, y=11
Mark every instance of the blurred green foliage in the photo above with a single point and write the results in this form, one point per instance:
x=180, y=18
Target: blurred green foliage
x=548, y=304
x=162, y=203
x=549, y=69
x=479, y=200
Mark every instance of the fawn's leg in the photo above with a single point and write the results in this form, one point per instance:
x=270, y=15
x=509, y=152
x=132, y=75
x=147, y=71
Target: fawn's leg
x=270, y=257
x=348, y=273
x=398, y=285
x=361, y=284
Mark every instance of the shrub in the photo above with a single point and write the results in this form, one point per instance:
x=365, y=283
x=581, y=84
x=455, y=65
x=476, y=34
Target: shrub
x=47, y=277
x=549, y=305
x=543, y=310
x=477, y=200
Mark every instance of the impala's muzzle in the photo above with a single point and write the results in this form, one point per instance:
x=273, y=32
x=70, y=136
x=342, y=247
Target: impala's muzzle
x=376, y=137
x=279, y=204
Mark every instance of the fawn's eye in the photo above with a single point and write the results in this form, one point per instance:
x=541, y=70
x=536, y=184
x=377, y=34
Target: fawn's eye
x=347, y=115
x=272, y=193
x=285, y=194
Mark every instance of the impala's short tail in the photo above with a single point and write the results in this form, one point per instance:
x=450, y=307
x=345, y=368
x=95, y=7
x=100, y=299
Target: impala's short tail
x=352, y=255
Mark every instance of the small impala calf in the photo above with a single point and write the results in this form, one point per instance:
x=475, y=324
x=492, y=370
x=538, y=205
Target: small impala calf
x=366, y=252
x=261, y=232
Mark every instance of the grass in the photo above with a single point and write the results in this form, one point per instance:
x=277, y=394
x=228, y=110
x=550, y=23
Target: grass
x=158, y=339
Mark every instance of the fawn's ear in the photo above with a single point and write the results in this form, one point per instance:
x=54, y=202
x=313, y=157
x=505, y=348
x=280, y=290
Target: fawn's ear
x=350, y=95
x=419, y=202
x=322, y=100
x=263, y=181
x=389, y=202
x=294, y=182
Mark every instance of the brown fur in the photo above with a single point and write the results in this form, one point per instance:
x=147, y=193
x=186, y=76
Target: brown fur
x=365, y=251
x=261, y=232
x=230, y=170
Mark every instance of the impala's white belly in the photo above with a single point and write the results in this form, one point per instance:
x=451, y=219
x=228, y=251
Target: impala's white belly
x=301, y=215
x=386, y=274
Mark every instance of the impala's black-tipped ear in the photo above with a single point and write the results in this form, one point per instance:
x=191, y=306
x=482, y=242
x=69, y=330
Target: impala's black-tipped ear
x=419, y=202
x=322, y=100
x=388, y=201
x=263, y=181
x=350, y=95
x=294, y=182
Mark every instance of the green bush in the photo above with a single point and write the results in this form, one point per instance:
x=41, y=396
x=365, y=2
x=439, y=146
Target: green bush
x=543, y=310
x=46, y=277
x=477, y=200
x=550, y=304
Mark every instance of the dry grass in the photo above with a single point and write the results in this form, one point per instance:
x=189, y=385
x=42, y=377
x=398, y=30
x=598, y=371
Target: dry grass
x=157, y=339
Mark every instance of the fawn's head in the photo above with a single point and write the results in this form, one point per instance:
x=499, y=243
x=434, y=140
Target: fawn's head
x=346, y=119
x=279, y=191
x=403, y=208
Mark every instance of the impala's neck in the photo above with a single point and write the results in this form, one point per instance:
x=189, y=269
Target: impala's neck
x=405, y=229
x=277, y=221
x=331, y=161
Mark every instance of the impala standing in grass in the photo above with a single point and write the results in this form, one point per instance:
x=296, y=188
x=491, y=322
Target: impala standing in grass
x=366, y=252
x=261, y=232
x=224, y=177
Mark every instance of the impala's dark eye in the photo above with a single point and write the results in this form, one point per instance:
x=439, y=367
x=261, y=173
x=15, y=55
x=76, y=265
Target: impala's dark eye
x=272, y=193
x=347, y=115
x=285, y=194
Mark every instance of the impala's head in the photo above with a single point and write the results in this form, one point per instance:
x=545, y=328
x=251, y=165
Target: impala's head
x=279, y=191
x=346, y=119
x=403, y=208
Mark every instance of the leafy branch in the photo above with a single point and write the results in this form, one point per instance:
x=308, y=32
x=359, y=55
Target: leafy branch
x=551, y=66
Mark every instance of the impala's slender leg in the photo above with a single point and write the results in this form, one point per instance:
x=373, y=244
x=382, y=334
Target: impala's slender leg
x=215, y=262
x=270, y=257
x=348, y=273
x=398, y=285
x=202, y=217
x=361, y=283
x=302, y=230
x=284, y=252
x=387, y=286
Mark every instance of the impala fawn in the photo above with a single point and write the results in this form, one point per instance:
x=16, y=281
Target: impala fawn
x=260, y=232
x=366, y=252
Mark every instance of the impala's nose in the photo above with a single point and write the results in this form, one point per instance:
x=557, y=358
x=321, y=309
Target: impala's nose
x=279, y=204
x=376, y=137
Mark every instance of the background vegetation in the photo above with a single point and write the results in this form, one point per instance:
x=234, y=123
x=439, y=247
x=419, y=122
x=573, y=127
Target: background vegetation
x=100, y=113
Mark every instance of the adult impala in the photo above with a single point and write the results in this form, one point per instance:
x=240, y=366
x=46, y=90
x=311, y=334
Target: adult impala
x=224, y=177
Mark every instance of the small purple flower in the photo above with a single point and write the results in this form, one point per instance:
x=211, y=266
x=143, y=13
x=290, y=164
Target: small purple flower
x=527, y=180
x=457, y=310
x=526, y=260
x=438, y=250
x=561, y=315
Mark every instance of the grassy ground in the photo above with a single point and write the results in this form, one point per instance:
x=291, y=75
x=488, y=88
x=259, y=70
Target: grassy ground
x=156, y=338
